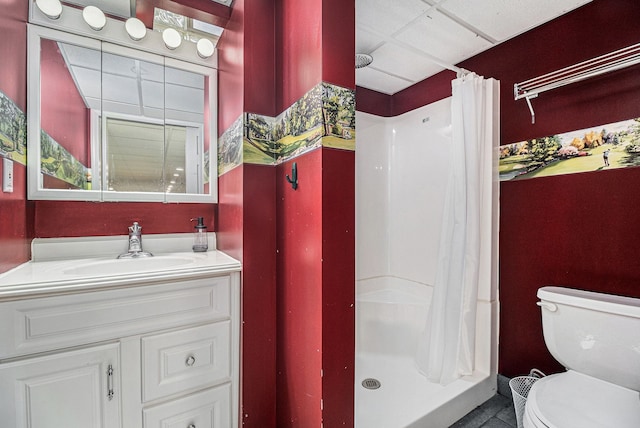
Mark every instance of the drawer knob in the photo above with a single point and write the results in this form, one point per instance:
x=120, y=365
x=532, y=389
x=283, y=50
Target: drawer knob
x=192, y=426
x=191, y=360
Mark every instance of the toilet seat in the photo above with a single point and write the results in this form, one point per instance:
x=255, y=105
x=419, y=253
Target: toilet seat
x=572, y=400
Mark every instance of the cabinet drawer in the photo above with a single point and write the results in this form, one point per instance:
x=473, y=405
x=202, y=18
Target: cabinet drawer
x=186, y=359
x=36, y=325
x=207, y=409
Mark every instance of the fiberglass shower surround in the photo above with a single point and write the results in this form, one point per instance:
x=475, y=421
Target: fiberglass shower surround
x=402, y=166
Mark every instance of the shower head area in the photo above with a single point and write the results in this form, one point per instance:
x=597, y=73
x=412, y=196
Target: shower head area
x=415, y=39
x=363, y=60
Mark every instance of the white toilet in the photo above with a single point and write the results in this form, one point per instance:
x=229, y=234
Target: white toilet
x=597, y=338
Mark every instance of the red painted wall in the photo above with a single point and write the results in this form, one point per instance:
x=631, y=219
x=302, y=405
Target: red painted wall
x=316, y=292
x=259, y=297
x=16, y=222
x=300, y=292
x=299, y=35
x=339, y=42
x=570, y=230
x=260, y=58
x=63, y=113
x=231, y=69
x=316, y=251
x=58, y=219
x=247, y=214
x=16, y=213
x=66, y=218
x=338, y=291
x=229, y=223
x=573, y=230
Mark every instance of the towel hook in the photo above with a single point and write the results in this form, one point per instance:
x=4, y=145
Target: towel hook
x=293, y=180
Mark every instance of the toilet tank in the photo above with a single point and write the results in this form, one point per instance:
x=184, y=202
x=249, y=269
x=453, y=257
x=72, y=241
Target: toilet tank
x=593, y=333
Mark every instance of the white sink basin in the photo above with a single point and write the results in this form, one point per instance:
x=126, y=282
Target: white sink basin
x=124, y=266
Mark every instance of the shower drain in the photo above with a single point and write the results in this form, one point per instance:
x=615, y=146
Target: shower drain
x=371, y=383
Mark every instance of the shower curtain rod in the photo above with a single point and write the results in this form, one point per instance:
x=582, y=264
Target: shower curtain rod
x=612, y=61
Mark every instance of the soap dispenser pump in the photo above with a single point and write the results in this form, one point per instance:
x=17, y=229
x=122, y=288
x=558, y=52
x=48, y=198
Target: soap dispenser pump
x=200, y=241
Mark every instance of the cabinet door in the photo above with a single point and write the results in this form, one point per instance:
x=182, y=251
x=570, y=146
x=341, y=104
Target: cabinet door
x=75, y=389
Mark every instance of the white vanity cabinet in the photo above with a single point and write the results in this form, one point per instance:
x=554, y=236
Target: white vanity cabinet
x=149, y=352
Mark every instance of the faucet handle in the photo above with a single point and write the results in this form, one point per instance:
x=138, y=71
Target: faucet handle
x=136, y=228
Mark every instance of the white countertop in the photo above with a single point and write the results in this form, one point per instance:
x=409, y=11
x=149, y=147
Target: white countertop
x=47, y=276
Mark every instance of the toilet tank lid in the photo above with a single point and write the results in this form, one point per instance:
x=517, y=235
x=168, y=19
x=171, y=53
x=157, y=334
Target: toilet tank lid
x=601, y=302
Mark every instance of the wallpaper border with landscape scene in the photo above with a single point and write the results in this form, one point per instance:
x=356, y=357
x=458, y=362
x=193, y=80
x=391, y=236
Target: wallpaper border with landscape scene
x=324, y=116
x=13, y=131
x=610, y=146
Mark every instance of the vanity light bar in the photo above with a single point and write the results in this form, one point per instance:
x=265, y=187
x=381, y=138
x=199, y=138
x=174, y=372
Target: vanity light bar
x=51, y=8
x=91, y=22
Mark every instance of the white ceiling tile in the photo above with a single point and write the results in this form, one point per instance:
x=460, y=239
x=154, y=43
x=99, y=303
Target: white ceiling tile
x=443, y=38
x=388, y=16
x=379, y=81
x=366, y=41
x=404, y=63
x=503, y=19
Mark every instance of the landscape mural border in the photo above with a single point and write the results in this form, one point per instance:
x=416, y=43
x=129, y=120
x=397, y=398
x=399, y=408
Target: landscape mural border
x=610, y=146
x=324, y=116
x=13, y=131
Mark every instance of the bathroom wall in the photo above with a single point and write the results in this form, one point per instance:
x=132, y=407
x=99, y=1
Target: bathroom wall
x=246, y=226
x=16, y=213
x=315, y=233
x=575, y=230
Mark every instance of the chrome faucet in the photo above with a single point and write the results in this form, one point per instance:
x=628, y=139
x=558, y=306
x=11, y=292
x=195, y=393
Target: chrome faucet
x=135, y=243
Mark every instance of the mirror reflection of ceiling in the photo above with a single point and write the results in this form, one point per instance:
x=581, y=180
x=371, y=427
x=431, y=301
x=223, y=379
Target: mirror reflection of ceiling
x=404, y=37
x=134, y=87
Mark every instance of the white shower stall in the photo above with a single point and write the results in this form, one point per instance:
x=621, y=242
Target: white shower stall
x=402, y=169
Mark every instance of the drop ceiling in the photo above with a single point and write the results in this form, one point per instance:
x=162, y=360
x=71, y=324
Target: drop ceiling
x=411, y=40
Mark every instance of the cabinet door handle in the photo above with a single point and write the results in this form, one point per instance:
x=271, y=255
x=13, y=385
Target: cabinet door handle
x=191, y=360
x=110, y=382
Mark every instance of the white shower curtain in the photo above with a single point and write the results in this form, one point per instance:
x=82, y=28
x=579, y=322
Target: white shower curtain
x=447, y=350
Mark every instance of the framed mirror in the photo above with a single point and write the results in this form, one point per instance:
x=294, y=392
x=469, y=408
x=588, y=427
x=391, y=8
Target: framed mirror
x=111, y=123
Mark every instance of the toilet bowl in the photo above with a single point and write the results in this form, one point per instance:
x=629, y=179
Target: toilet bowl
x=596, y=337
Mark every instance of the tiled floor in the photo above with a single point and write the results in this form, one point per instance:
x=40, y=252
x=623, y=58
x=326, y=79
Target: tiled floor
x=497, y=412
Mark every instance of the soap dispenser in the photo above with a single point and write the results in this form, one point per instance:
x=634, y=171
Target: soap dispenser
x=200, y=241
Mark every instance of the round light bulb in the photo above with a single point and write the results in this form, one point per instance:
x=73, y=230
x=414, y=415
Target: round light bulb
x=205, y=48
x=94, y=17
x=135, y=29
x=172, y=38
x=51, y=8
